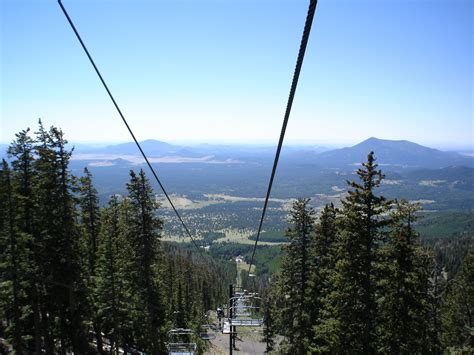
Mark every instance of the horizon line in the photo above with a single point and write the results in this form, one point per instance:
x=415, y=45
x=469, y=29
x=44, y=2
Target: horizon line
x=269, y=143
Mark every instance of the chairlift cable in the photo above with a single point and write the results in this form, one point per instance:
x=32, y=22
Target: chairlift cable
x=126, y=124
x=299, y=63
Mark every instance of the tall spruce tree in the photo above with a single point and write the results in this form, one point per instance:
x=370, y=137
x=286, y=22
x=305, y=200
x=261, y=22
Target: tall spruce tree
x=90, y=218
x=45, y=183
x=169, y=276
x=113, y=293
x=12, y=264
x=352, y=327
x=293, y=309
x=143, y=237
x=435, y=294
x=64, y=298
x=403, y=298
x=90, y=222
x=323, y=260
x=21, y=154
x=268, y=328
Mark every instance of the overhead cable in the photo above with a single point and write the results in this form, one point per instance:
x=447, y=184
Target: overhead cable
x=126, y=124
x=296, y=75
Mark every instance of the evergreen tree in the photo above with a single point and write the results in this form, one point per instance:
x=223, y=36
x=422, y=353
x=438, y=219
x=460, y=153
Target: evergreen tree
x=21, y=153
x=458, y=311
x=403, y=286
x=64, y=296
x=294, y=313
x=181, y=312
x=90, y=218
x=112, y=292
x=11, y=263
x=90, y=221
x=268, y=329
x=143, y=237
x=352, y=303
x=63, y=269
x=170, y=281
x=188, y=306
x=323, y=260
x=435, y=293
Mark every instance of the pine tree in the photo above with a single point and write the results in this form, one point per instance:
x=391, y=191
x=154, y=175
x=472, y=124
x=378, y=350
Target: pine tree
x=323, y=260
x=64, y=298
x=170, y=281
x=352, y=327
x=62, y=270
x=11, y=262
x=458, y=311
x=90, y=221
x=294, y=313
x=188, y=296
x=45, y=205
x=112, y=292
x=434, y=294
x=143, y=237
x=403, y=284
x=181, y=312
x=268, y=328
x=21, y=152
x=90, y=217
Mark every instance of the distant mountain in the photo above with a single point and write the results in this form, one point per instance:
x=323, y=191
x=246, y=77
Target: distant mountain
x=151, y=147
x=438, y=180
x=392, y=155
x=397, y=154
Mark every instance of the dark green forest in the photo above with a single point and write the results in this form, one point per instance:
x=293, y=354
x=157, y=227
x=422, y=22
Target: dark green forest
x=77, y=278
x=358, y=280
x=80, y=277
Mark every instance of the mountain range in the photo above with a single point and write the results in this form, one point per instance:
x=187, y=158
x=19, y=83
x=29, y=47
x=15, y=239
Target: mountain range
x=441, y=180
x=400, y=154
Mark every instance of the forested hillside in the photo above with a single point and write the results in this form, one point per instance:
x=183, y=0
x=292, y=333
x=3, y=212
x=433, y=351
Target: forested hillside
x=358, y=280
x=78, y=278
x=353, y=278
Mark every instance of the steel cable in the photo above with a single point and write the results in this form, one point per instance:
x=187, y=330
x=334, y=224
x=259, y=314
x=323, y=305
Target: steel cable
x=299, y=63
x=126, y=124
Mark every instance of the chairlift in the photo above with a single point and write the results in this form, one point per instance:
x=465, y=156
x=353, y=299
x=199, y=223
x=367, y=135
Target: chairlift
x=245, y=302
x=246, y=322
x=243, y=305
x=245, y=297
x=180, y=342
x=243, y=310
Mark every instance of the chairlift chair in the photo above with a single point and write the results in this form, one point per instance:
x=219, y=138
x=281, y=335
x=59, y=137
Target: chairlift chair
x=243, y=306
x=180, y=342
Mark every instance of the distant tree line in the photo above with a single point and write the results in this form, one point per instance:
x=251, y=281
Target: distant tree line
x=358, y=281
x=77, y=278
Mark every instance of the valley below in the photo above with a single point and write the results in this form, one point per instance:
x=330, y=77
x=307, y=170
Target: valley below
x=219, y=190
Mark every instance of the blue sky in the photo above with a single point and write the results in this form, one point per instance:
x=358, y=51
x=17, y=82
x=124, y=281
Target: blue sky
x=220, y=70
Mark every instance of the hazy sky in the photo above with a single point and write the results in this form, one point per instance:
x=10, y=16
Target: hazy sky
x=220, y=70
